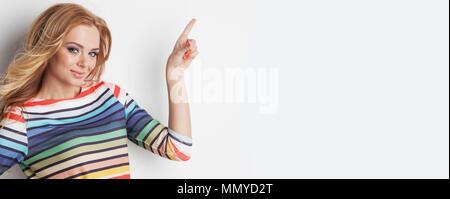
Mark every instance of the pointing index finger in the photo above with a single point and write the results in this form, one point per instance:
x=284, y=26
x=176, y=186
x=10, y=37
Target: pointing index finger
x=188, y=28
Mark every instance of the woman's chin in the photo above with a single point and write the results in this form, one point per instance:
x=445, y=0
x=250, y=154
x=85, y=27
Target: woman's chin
x=77, y=82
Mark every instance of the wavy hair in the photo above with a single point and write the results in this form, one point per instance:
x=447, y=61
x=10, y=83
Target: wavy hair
x=23, y=78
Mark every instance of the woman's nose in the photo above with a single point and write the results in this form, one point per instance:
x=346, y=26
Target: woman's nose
x=83, y=61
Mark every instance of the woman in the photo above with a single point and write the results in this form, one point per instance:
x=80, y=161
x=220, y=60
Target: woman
x=59, y=120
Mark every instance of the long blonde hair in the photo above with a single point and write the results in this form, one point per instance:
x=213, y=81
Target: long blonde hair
x=23, y=78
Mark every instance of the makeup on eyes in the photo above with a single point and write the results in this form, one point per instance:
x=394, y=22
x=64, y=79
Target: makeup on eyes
x=82, y=47
x=71, y=49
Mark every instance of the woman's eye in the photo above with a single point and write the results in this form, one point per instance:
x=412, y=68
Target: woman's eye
x=73, y=50
x=93, y=54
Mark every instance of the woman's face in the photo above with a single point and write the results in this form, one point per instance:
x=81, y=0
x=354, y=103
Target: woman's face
x=77, y=56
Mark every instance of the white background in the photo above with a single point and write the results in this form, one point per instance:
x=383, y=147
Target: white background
x=363, y=86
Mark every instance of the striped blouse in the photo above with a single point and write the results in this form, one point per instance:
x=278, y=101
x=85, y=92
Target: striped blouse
x=84, y=137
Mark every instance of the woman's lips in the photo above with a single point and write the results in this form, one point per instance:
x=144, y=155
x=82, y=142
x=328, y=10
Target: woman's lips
x=77, y=74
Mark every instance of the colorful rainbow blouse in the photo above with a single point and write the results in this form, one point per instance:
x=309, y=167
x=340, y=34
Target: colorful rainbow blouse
x=84, y=137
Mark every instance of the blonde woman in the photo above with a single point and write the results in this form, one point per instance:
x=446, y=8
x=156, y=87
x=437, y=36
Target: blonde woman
x=59, y=120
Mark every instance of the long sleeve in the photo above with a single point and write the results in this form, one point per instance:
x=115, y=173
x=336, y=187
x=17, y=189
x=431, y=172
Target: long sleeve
x=148, y=133
x=13, y=140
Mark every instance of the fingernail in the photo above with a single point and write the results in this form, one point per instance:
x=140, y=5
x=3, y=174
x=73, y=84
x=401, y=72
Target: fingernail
x=189, y=44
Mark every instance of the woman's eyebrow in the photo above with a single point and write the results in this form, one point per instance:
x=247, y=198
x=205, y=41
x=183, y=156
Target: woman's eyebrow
x=81, y=46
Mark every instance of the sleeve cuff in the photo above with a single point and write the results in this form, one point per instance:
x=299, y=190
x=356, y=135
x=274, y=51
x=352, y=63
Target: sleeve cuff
x=180, y=138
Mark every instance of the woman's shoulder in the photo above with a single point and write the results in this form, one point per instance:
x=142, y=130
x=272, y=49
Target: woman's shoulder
x=14, y=113
x=119, y=93
x=109, y=84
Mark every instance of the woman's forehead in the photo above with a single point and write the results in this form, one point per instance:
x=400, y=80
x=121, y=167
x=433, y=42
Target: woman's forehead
x=85, y=35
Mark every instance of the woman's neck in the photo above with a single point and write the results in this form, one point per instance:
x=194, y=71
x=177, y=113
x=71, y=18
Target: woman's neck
x=53, y=89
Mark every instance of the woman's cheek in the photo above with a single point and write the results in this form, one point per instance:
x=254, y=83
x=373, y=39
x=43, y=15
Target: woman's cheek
x=60, y=61
x=69, y=59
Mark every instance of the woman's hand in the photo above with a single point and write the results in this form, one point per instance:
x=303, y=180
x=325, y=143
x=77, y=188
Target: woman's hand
x=183, y=53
